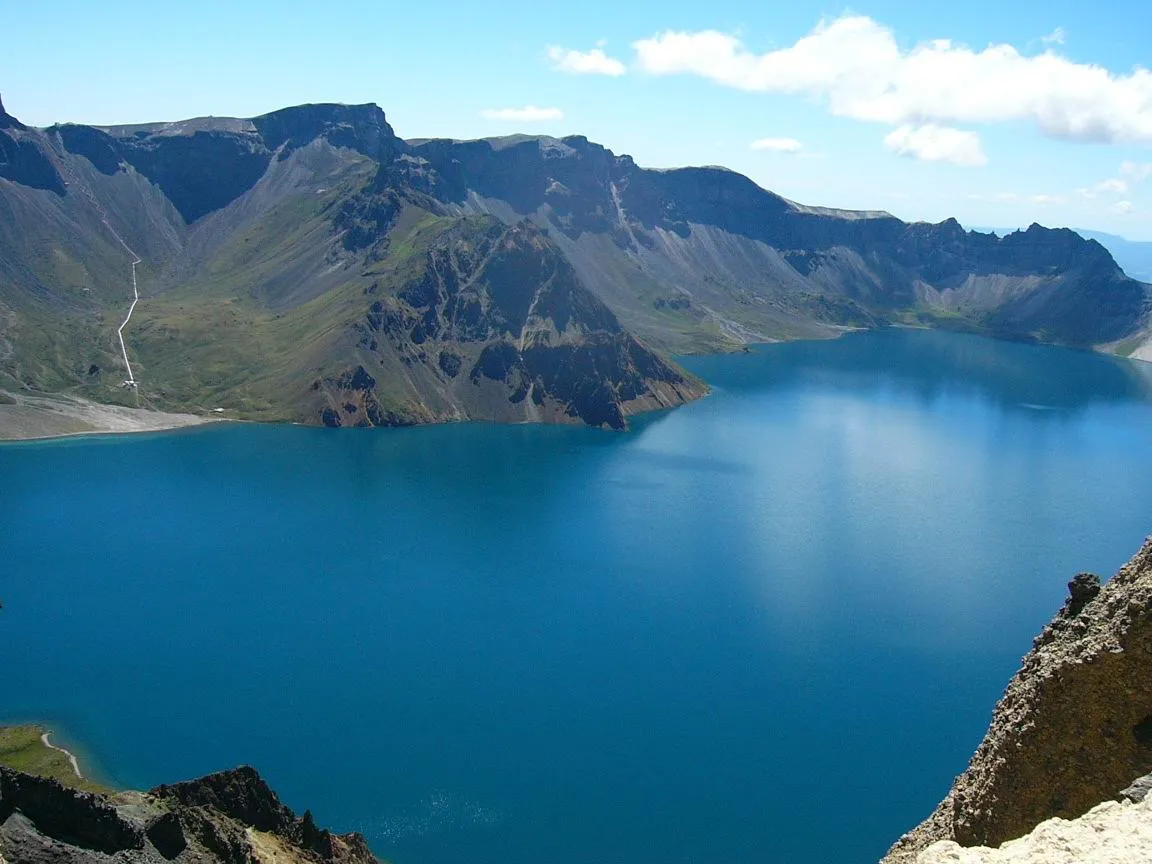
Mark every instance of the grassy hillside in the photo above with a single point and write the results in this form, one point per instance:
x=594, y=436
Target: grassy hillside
x=22, y=748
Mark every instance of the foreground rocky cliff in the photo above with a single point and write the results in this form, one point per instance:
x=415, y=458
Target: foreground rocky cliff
x=1073, y=729
x=310, y=265
x=228, y=818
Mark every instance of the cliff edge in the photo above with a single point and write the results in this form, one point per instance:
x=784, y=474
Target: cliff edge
x=232, y=817
x=1073, y=728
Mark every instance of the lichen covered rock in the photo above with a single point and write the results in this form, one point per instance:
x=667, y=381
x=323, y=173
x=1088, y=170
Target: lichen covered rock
x=1073, y=728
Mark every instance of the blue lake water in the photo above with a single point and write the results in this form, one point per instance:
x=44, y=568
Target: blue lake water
x=766, y=627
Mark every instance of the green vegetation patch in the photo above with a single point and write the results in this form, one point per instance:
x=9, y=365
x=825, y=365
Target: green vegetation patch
x=23, y=748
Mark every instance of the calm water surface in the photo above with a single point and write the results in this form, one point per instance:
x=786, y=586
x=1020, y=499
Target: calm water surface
x=767, y=627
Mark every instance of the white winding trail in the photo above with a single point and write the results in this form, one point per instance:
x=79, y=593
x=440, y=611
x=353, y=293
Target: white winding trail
x=131, y=309
x=68, y=753
x=103, y=214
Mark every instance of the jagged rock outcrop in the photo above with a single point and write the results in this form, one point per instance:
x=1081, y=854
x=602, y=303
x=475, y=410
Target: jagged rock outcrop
x=1073, y=728
x=495, y=315
x=232, y=817
x=23, y=160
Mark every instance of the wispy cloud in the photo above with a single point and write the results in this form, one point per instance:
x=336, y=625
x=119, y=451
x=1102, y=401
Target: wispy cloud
x=527, y=114
x=778, y=145
x=932, y=143
x=855, y=65
x=1057, y=37
x=1040, y=200
x=1123, y=208
x=1114, y=184
x=1136, y=172
x=593, y=62
x=1131, y=175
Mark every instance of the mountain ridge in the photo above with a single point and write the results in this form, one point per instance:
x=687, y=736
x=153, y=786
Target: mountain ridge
x=270, y=244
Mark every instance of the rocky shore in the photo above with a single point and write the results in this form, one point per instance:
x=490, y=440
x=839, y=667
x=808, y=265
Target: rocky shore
x=24, y=416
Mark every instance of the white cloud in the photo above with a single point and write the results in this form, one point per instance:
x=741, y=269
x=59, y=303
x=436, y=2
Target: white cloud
x=1122, y=207
x=594, y=62
x=527, y=114
x=778, y=145
x=1046, y=200
x=1132, y=174
x=856, y=65
x=932, y=143
x=1138, y=172
x=1114, y=184
x=1057, y=37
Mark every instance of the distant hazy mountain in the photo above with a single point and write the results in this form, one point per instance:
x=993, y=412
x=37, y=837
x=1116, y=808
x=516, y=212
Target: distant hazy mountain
x=310, y=265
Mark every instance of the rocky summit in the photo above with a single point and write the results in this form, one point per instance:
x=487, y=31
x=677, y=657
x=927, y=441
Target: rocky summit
x=309, y=265
x=228, y=818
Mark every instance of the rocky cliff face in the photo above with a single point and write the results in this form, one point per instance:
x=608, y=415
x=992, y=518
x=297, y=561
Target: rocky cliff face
x=1073, y=728
x=496, y=314
x=227, y=818
x=754, y=261
x=205, y=164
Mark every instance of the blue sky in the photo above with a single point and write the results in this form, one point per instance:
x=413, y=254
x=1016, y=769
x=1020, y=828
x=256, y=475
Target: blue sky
x=1031, y=111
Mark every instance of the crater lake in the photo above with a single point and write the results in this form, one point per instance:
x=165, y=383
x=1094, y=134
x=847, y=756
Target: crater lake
x=770, y=626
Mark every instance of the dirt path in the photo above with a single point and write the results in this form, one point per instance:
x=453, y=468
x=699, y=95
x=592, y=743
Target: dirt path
x=68, y=753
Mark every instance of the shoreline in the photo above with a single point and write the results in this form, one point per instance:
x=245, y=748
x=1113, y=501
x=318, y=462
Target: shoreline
x=71, y=756
x=42, y=417
x=29, y=418
x=108, y=433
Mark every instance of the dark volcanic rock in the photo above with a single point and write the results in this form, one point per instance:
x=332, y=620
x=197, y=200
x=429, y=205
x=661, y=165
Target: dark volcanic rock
x=77, y=818
x=240, y=794
x=23, y=160
x=1138, y=790
x=1074, y=725
x=200, y=172
x=1082, y=590
x=98, y=147
x=208, y=168
x=7, y=121
x=357, y=379
x=362, y=128
x=226, y=818
x=167, y=834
